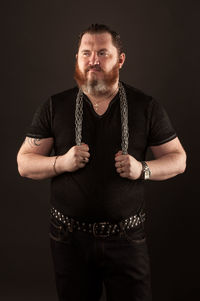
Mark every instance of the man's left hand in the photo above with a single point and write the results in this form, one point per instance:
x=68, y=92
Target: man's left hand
x=127, y=166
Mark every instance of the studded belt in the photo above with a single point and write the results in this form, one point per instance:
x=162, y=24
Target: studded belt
x=99, y=229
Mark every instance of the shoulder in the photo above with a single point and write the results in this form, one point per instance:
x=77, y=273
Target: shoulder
x=65, y=96
x=136, y=94
x=138, y=98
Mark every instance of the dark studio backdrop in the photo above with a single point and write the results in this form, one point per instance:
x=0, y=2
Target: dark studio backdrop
x=38, y=46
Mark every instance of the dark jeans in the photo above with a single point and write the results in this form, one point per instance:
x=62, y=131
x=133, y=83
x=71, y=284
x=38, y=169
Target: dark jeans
x=83, y=263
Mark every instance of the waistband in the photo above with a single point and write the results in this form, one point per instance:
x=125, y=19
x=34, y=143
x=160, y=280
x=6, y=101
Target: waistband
x=100, y=229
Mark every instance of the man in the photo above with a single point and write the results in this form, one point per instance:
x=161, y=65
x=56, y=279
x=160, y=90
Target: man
x=100, y=132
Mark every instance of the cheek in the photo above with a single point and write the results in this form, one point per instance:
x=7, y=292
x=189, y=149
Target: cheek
x=81, y=64
x=109, y=65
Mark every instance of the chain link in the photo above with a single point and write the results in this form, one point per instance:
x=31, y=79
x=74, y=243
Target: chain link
x=79, y=117
x=124, y=118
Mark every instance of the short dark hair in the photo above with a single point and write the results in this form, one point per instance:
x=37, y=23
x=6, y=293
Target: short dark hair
x=101, y=28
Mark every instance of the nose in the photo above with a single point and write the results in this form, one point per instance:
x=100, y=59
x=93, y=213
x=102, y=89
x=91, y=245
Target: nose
x=94, y=60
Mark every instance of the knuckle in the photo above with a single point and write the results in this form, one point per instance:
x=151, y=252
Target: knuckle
x=85, y=147
x=76, y=152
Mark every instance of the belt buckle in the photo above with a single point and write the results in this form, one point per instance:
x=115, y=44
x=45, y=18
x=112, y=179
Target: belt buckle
x=94, y=230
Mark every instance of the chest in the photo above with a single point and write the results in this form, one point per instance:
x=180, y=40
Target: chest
x=100, y=130
x=100, y=109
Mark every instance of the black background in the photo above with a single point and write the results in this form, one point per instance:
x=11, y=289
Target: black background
x=38, y=46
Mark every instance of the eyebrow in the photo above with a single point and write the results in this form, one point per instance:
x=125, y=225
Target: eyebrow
x=87, y=50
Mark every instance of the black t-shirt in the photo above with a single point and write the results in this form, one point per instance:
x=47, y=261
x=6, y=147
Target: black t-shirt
x=97, y=192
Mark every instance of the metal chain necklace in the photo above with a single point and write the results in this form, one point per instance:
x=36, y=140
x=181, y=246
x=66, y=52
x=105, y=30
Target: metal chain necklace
x=124, y=118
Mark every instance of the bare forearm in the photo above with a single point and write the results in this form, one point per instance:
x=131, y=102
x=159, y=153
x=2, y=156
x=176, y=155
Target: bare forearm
x=36, y=166
x=170, y=160
x=167, y=166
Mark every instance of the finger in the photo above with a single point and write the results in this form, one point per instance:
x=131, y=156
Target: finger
x=120, y=169
x=119, y=164
x=84, y=147
x=124, y=175
x=118, y=153
x=84, y=154
x=81, y=165
x=120, y=158
x=84, y=160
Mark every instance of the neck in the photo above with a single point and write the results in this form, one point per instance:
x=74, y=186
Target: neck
x=110, y=93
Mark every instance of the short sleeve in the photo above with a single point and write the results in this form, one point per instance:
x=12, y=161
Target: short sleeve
x=41, y=126
x=160, y=127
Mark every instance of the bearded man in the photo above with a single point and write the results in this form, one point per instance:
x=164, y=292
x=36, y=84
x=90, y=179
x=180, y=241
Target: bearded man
x=100, y=132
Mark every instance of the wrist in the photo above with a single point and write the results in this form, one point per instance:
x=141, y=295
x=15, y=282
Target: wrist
x=58, y=165
x=146, y=172
x=140, y=169
x=55, y=165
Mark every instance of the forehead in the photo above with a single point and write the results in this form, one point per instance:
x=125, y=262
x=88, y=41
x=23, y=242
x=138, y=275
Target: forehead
x=97, y=41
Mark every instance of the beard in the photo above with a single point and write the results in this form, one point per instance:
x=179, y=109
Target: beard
x=93, y=85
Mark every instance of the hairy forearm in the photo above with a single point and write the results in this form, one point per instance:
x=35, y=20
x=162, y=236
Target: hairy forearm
x=36, y=166
x=167, y=166
x=34, y=162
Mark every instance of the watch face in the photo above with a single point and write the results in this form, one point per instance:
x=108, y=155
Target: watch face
x=146, y=171
x=146, y=175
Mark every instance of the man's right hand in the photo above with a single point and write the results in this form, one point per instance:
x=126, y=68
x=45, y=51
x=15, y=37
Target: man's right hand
x=77, y=157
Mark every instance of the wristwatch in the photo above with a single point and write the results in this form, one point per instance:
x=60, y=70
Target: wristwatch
x=146, y=172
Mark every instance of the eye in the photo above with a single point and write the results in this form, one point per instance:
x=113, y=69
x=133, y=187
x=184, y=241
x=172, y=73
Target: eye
x=86, y=54
x=103, y=53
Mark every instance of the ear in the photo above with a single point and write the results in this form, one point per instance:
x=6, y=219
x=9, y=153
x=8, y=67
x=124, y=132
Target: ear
x=76, y=56
x=122, y=58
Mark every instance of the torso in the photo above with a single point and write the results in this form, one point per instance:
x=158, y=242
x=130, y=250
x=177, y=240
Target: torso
x=97, y=192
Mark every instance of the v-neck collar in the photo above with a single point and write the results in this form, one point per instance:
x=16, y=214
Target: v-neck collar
x=85, y=97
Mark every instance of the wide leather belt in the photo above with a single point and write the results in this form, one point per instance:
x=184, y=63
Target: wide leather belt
x=99, y=229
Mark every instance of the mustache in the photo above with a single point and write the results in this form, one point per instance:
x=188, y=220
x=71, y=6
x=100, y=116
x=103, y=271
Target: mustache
x=95, y=67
